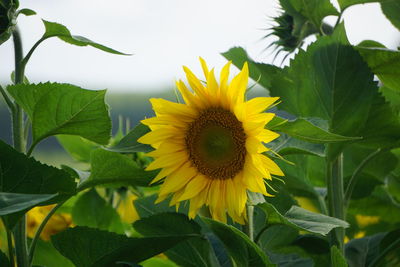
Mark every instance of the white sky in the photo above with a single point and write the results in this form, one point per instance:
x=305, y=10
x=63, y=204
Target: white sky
x=162, y=35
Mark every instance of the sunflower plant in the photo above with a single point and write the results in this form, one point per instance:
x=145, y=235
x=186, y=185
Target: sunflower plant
x=304, y=174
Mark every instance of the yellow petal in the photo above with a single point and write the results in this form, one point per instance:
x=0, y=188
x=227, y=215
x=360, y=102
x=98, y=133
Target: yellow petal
x=159, y=135
x=238, y=86
x=162, y=106
x=194, y=187
x=272, y=167
x=259, y=104
x=187, y=95
x=178, y=179
x=204, y=67
x=168, y=160
x=196, y=85
x=267, y=136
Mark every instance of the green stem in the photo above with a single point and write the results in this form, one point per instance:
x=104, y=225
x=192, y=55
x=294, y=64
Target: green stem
x=19, y=144
x=10, y=248
x=9, y=103
x=40, y=229
x=353, y=180
x=249, y=227
x=334, y=177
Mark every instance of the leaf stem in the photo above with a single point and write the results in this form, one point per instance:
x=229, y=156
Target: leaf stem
x=19, y=144
x=334, y=178
x=9, y=103
x=249, y=227
x=40, y=229
x=28, y=56
x=10, y=248
x=353, y=180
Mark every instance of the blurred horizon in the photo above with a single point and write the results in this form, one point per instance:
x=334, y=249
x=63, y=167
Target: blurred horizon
x=162, y=36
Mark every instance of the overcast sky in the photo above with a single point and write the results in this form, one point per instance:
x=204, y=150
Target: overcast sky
x=162, y=35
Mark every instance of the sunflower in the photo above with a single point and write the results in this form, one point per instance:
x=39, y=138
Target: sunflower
x=210, y=149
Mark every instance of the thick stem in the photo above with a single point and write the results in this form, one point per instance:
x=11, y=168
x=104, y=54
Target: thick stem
x=249, y=227
x=334, y=177
x=19, y=144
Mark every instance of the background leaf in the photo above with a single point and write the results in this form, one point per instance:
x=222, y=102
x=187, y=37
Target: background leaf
x=55, y=108
x=92, y=247
x=337, y=258
x=93, y=211
x=242, y=250
x=113, y=169
x=314, y=10
x=346, y=3
x=302, y=219
x=192, y=252
x=57, y=30
x=7, y=18
x=129, y=143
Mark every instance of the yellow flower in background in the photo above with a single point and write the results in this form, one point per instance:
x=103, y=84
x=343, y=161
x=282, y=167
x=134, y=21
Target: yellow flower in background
x=57, y=222
x=307, y=204
x=364, y=220
x=125, y=207
x=210, y=148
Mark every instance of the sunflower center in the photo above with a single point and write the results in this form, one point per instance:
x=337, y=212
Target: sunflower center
x=216, y=143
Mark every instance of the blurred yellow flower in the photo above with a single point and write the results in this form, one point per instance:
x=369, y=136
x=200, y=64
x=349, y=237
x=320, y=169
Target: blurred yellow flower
x=125, y=207
x=307, y=204
x=57, y=222
x=364, y=220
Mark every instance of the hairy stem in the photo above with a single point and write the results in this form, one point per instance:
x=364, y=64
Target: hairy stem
x=334, y=178
x=19, y=144
x=249, y=227
x=10, y=248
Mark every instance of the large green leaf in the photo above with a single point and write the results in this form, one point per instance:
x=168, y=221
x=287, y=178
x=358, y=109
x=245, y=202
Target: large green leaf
x=346, y=3
x=193, y=252
x=314, y=10
x=384, y=63
x=113, y=169
x=14, y=202
x=57, y=108
x=302, y=219
x=392, y=96
x=22, y=175
x=93, y=211
x=8, y=17
x=243, y=251
x=286, y=145
x=92, y=247
x=129, y=143
x=361, y=252
x=307, y=129
x=391, y=9
x=57, y=30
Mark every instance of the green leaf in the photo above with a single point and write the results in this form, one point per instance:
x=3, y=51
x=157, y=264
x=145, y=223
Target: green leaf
x=14, y=202
x=384, y=63
x=27, y=12
x=286, y=145
x=93, y=211
x=192, y=252
x=8, y=18
x=113, y=169
x=57, y=108
x=314, y=10
x=92, y=247
x=57, y=30
x=145, y=206
x=302, y=219
x=77, y=147
x=23, y=175
x=306, y=129
x=391, y=9
x=392, y=96
x=47, y=255
x=243, y=251
x=129, y=143
x=337, y=259
x=360, y=252
x=346, y=3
